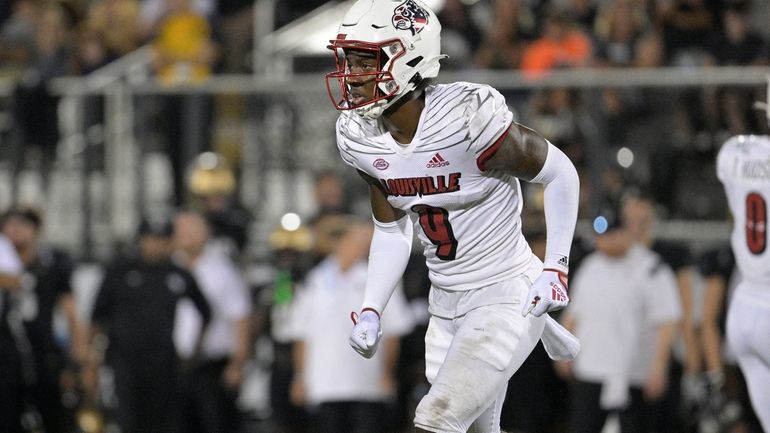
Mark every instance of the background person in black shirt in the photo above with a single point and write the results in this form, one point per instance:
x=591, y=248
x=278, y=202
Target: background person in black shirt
x=136, y=308
x=45, y=286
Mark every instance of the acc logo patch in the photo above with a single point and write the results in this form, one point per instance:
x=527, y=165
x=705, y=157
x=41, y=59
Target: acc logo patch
x=409, y=16
x=380, y=164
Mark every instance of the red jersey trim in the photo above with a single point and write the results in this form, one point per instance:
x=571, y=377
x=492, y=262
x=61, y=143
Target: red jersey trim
x=484, y=157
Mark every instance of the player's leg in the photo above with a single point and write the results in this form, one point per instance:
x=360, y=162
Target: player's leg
x=489, y=420
x=438, y=339
x=757, y=373
x=489, y=344
x=748, y=329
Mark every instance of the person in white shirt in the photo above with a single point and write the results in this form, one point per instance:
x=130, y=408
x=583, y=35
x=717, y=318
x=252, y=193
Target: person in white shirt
x=348, y=393
x=445, y=161
x=641, y=217
x=11, y=269
x=625, y=308
x=743, y=167
x=212, y=386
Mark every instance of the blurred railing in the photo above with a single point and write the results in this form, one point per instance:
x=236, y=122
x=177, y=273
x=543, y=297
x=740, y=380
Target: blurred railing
x=111, y=155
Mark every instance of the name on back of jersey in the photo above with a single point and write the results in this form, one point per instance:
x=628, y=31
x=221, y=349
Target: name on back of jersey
x=745, y=157
x=756, y=169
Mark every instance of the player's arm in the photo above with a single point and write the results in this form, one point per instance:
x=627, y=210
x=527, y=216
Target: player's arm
x=521, y=153
x=381, y=209
x=525, y=154
x=388, y=257
x=390, y=248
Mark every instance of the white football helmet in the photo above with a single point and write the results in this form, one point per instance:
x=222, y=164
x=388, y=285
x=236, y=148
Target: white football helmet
x=405, y=38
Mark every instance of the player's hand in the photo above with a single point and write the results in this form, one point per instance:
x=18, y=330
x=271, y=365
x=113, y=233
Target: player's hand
x=366, y=332
x=548, y=293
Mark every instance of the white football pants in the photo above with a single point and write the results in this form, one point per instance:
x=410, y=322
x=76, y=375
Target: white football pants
x=468, y=361
x=748, y=334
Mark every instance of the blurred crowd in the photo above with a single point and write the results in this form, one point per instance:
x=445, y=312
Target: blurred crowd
x=669, y=132
x=57, y=37
x=179, y=325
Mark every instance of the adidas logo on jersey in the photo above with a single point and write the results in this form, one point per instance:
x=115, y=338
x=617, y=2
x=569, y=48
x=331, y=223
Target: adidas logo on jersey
x=437, y=161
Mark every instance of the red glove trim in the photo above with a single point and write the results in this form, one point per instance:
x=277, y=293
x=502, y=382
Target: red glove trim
x=354, y=315
x=562, y=276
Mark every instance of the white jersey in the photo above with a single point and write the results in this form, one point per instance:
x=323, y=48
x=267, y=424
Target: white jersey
x=743, y=166
x=468, y=219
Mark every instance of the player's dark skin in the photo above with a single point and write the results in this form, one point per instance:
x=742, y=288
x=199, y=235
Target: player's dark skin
x=522, y=153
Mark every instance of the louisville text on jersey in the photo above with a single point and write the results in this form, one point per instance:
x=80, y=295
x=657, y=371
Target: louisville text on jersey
x=420, y=186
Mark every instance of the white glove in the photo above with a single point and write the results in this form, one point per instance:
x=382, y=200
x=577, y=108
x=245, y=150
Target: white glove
x=366, y=332
x=548, y=293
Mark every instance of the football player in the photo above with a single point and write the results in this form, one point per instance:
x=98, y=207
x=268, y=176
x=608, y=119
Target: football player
x=445, y=161
x=743, y=167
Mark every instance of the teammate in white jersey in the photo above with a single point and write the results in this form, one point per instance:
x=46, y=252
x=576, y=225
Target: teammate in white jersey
x=743, y=166
x=448, y=159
